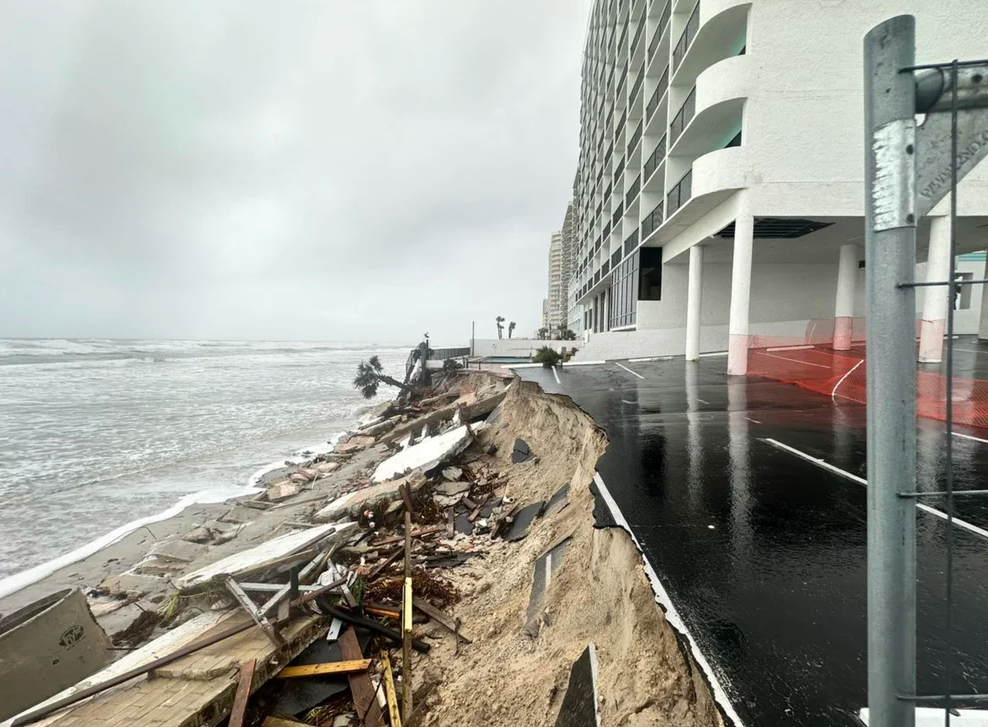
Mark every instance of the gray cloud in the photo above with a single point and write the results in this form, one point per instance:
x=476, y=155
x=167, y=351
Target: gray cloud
x=311, y=169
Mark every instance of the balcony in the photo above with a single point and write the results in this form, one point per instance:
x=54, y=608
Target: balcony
x=616, y=258
x=680, y=194
x=620, y=124
x=652, y=221
x=638, y=37
x=606, y=233
x=682, y=117
x=633, y=191
x=622, y=81
x=660, y=29
x=618, y=214
x=657, y=94
x=721, y=92
x=619, y=169
x=624, y=37
x=635, y=139
x=630, y=243
x=722, y=34
x=653, y=162
x=686, y=39
x=638, y=85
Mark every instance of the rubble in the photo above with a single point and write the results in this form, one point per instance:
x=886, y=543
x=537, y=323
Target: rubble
x=371, y=497
x=427, y=454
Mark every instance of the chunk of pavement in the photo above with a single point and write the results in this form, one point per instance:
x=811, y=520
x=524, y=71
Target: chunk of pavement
x=199, y=535
x=327, y=467
x=521, y=451
x=545, y=567
x=369, y=497
x=557, y=502
x=522, y=522
x=579, y=707
x=301, y=695
x=239, y=515
x=494, y=417
x=461, y=518
x=283, y=491
x=376, y=430
x=426, y=455
x=452, y=488
x=453, y=474
x=177, y=550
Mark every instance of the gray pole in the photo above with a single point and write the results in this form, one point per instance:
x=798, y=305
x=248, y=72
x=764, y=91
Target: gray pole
x=890, y=256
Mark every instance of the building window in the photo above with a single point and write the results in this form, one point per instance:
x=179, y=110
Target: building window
x=624, y=292
x=650, y=274
x=736, y=141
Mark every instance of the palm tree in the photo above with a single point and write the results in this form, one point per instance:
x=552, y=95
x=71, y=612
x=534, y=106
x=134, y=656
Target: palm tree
x=543, y=333
x=511, y=328
x=500, y=320
x=370, y=375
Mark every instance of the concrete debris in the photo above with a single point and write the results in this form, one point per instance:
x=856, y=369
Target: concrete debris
x=426, y=455
x=324, y=468
x=369, y=498
x=177, y=550
x=283, y=491
x=579, y=708
x=545, y=567
x=452, y=488
x=559, y=500
x=453, y=473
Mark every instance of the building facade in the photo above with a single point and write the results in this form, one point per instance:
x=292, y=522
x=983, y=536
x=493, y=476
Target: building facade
x=720, y=192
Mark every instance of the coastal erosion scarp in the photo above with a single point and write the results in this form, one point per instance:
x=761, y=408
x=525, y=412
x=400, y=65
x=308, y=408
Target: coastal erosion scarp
x=564, y=626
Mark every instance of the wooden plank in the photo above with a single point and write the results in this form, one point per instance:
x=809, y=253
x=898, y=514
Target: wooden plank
x=443, y=618
x=400, y=538
x=406, y=632
x=390, y=693
x=386, y=612
x=406, y=497
x=243, y=693
x=364, y=695
x=395, y=554
x=334, y=667
x=244, y=600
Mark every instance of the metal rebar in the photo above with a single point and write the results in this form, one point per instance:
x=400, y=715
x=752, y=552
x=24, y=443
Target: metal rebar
x=943, y=493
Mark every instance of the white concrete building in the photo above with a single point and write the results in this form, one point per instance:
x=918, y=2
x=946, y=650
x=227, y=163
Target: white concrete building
x=556, y=314
x=720, y=189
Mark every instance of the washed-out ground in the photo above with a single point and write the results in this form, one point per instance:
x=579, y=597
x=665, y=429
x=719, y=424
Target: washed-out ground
x=517, y=669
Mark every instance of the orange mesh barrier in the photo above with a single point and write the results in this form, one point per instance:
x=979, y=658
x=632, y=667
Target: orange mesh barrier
x=812, y=363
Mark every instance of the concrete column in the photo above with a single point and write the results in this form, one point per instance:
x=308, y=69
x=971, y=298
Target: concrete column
x=847, y=273
x=737, y=347
x=983, y=321
x=693, y=294
x=936, y=297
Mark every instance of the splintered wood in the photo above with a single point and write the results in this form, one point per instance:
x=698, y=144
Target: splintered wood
x=197, y=690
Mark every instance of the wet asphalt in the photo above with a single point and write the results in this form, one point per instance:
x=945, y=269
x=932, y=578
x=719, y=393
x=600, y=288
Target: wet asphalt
x=762, y=552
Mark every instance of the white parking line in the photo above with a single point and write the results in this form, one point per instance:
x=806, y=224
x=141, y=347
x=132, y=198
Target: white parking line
x=964, y=524
x=971, y=350
x=833, y=394
x=789, y=348
x=629, y=370
x=555, y=372
x=651, y=358
x=713, y=353
x=968, y=436
x=672, y=615
x=794, y=360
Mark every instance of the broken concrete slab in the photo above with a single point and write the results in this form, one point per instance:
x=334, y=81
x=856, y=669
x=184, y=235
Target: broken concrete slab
x=324, y=468
x=426, y=455
x=452, y=473
x=463, y=524
x=255, y=559
x=520, y=452
x=239, y=515
x=467, y=414
x=177, y=550
x=452, y=488
x=522, y=522
x=354, y=503
x=579, y=708
x=283, y=491
x=380, y=428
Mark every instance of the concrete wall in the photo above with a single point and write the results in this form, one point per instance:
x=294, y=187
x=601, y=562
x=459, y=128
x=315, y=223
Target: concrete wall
x=779, y=292
x=516, y=346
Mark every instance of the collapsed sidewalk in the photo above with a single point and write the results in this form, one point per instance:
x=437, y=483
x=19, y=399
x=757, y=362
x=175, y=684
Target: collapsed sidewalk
x=519, y=611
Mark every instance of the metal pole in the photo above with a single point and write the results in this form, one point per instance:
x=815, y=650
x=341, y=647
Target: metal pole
x=890, y=255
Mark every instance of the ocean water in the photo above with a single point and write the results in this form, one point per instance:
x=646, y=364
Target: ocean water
x=95, y=433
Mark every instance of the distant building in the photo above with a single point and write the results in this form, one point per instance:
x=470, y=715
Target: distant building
x=720, y=188
x=562, y=267
x=545, y=312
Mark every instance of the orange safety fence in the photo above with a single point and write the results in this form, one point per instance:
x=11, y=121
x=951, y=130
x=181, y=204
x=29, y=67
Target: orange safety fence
x=811, y=362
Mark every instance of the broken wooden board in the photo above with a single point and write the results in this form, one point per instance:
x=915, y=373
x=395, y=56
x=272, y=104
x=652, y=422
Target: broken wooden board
x=467, y=414
x=197, y=689
x=269, y=553
x=364, y=694
x=579, y=708
x=333, y=667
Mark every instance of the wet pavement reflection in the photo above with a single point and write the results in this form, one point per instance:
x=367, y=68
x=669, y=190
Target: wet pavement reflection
x=762, y=552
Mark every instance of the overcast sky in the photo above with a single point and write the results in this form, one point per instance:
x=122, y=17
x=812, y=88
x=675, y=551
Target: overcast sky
x=312, y=169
